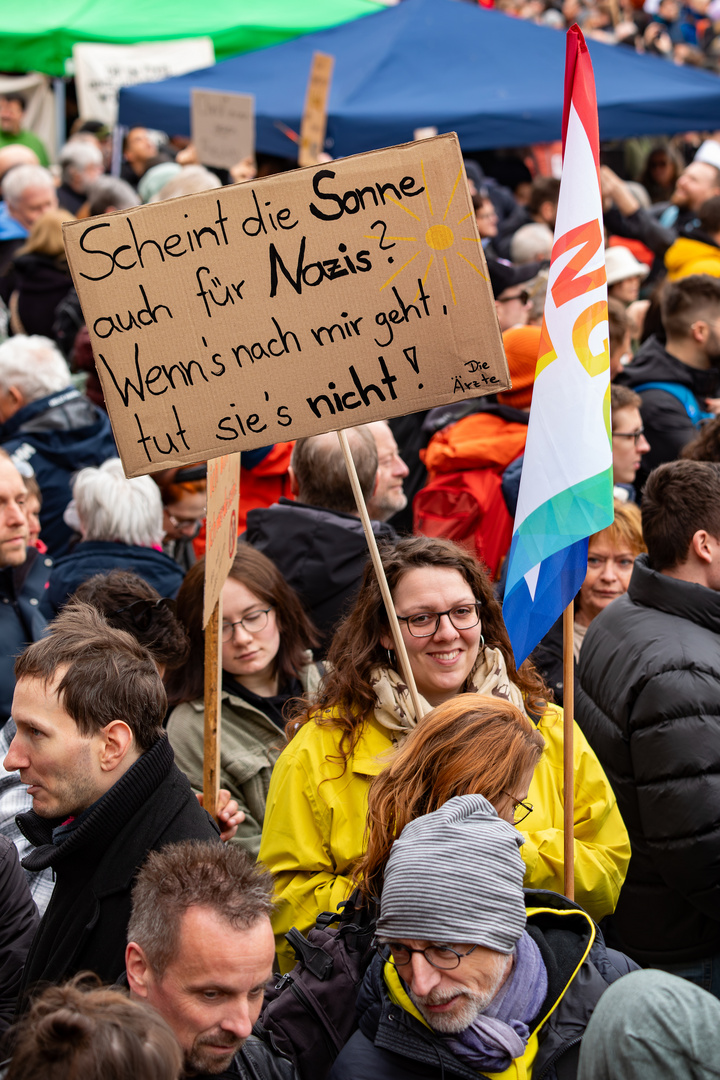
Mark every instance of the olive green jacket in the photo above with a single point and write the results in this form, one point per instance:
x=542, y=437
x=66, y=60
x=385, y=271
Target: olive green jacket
x=250, y=744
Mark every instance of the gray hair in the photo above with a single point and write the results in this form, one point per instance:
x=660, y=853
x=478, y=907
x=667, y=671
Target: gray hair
x=111, y=191
x=112, y=507
x=320, y=472
x=76, y=155
x=33, y=365
x=531, y=243
x=191, y=180
x=221, y=877
x=17, y=181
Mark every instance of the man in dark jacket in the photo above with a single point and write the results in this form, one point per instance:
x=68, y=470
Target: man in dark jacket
x=200, y=951
x=318, y=542
x=473, y=975
x=649, y=704
x=89, y=705
x=48, y=428
x=24, y=576
x=674, y=380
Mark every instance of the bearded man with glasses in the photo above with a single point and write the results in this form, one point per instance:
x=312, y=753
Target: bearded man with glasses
x=473, y=975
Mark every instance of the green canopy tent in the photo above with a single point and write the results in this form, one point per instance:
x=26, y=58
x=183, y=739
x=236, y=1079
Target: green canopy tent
x=38, y=35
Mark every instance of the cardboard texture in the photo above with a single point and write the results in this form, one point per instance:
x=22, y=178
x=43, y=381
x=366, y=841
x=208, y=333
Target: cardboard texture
x=223, y=127
x=305, y=302
x=314, y=120
x=223, y=493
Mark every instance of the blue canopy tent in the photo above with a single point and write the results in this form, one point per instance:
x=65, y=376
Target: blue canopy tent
x=495, y=80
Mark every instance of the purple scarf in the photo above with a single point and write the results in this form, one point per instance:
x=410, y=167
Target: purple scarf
x=500, y=1034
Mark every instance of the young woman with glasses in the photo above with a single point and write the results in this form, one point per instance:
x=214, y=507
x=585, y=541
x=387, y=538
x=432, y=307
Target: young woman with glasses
x=457, y=643
x=266, y=661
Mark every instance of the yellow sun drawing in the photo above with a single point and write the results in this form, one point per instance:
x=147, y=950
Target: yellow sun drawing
x=439, y=237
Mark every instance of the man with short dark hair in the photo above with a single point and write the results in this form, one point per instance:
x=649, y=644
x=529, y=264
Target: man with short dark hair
x=317, y=542
x=89, y=706
x=200, y=951
x=676, y=379
x=474, y=976
x=649, y=703
x=12, y=113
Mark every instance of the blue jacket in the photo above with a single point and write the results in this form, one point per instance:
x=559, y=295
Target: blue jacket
x=22, y=589
x=98, y=557
x=54, y=438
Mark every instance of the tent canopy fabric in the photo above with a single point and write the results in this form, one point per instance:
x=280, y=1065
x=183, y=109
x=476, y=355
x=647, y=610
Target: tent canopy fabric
x=38, y=35
x=495, y=80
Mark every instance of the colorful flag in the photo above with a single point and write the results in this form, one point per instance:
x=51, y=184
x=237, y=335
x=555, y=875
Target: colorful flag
x=566, y=486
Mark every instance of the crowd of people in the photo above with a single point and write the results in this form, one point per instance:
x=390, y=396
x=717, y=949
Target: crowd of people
x=381, y=891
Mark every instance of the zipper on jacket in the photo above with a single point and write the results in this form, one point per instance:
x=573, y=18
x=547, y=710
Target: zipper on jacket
x=557, y=1055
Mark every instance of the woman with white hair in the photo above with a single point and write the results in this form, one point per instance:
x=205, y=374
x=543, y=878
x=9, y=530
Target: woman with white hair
x=121, y=522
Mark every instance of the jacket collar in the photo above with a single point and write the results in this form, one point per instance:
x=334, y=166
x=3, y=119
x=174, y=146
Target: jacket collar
x=36, y=408
x=684, y=599
x=120, y=803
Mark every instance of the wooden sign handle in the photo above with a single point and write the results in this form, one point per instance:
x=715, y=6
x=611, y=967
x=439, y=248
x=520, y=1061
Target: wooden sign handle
x=211, y=747
x=568, y=738
x=401, y=651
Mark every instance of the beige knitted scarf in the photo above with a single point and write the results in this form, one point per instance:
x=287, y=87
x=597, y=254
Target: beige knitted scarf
x=394, y=709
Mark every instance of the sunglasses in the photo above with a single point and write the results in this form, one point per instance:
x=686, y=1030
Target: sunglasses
x=523, y=297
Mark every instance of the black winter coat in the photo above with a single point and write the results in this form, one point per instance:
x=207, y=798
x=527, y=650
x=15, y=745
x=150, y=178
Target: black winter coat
x=256, y=1061
x=391, y=1044
x=321, y=553
x=648, y=700
x=95, y=865
x=22, y=590
x=668, y=428
x=18, y=922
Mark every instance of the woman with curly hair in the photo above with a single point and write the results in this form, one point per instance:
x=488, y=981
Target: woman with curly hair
x=457, y=643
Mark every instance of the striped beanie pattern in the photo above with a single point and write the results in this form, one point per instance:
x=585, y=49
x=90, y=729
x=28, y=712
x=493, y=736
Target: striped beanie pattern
x=456, y=876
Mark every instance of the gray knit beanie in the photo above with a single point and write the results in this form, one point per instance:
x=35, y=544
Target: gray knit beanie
x=456, y=876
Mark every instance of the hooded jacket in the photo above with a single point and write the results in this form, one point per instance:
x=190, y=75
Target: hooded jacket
x=95, y=865
x=393, y=1040
x=316, y=813
x=54, y=437
x=99, y=557
x=321, y=553
x=648, y=703
x=22, y=590
x=696, y=254
x=668, y=428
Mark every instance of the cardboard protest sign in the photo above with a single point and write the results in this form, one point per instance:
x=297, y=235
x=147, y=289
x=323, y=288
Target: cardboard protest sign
x=223, y=493
x=305, y=302
x=222, y=127
x=314, y=119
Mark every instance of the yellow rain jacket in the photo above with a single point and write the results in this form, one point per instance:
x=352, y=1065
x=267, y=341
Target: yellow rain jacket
x=687, y=256
x=315, y=823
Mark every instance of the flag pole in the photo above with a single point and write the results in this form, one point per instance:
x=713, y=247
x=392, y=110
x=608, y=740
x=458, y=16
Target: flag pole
x=401, y=651
x=568, y=762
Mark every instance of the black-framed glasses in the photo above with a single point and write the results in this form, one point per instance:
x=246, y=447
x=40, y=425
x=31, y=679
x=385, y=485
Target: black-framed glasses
x=426, y=623
x=636, y=436
x=252, y=623
x=527, y=807
x=523, y=297
x=141, y=612
x=438, y=956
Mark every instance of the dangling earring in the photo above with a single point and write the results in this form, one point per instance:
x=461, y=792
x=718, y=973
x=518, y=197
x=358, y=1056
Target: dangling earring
x=391, y=661
x=482, y=642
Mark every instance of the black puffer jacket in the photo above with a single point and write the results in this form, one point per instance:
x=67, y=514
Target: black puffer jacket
x=668, y=428
x=321, y=553
x=392, y=1045
x=649, y=703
